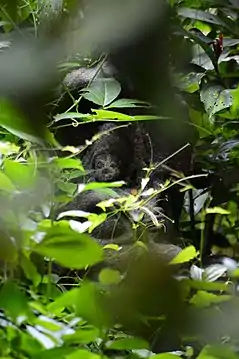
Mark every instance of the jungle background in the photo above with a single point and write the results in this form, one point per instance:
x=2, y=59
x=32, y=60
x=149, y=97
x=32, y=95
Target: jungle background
x=119, y=179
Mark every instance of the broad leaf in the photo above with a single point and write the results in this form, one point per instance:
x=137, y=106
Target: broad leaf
x=185, y=255
x=5, y=183
x=103, y=91
x=69, y=248
x=68, y=163
x=204, y=299
x=84, y=354
x=215, y=98
x=84, y=335
x=109, y=276
x=200, y=15
x=128, y=344
x=21, y=174
x=13, y=121
x=214, y=271
x=14, y=301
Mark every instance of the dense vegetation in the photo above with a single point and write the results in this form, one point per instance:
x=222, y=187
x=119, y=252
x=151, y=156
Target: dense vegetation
x=64, y=291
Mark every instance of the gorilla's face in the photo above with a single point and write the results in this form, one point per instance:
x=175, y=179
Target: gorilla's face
x=106, y=167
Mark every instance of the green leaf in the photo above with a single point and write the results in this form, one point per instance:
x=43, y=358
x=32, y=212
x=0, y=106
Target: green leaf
x=165, y=356
x=8, y=148
x=96, y=220
x=202, y=122
x=55, y=353
x=150, y=118
x=186, y=255
x=98, y=185
x=128, y=344
x=217, y=210
x=218, y=352
x=67, y=187
x=71, y=116
x=208, y=286
x=223, y=102
x=112, y=246
x=102, y=92
x=103, y=115
x=127, y=103
x=13, y=300
x=68, y=163
x=30, y=270
x=9, y=250
x=49, y=324
x=89, y=306
x=84, y=354
x=5, y=183
x=215, y=98
x=85, y=300
x=234, y=109
x=69, y=248
x=15, y=123
x=66, y=300
x=109, y=276
x=21, y=174
x=84, y=335
x=196, y=14
x=191, y=82
x=204, y=299
x=112, y=115
x=203, y=42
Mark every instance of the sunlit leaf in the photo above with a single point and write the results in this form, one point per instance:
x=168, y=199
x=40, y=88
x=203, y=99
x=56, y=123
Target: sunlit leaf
x=186, y=255
x=98, y=185
x=111, y=115
x=109, y=276
x=165, y=356
x=21, y=174
x=127, y=344
x=84, y=354
x=96, y=220
x=5, y=183
x=204, y=299
x=217, y=210
x=218, y=352
x=8, y=148
x=112, y=246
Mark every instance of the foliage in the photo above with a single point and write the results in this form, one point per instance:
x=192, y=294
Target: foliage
x=44, y=314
